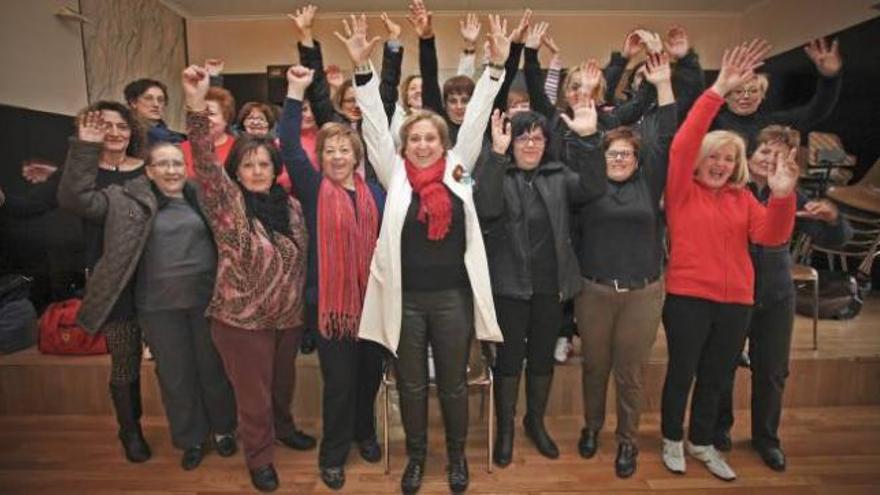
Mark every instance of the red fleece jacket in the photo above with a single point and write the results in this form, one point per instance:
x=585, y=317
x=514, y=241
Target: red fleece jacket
x=710, y=230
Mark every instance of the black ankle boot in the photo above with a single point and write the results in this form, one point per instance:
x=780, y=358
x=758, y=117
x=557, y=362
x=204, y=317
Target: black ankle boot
x=537, y=393
x=127, y=403
x=411, y=480
x=457, y=474
x=506, y=393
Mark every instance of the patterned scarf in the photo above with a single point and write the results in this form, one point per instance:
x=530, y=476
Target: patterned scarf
x=346, y=238
x=435, y=203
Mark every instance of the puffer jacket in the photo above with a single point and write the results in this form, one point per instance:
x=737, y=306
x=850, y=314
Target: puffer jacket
x=505, y=224
x=127, y=212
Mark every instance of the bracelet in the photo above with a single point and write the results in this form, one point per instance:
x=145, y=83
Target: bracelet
x=469, y=51
x=496, y=66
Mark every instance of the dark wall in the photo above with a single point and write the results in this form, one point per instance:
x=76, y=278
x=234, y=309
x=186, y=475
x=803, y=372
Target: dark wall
x=29, y=134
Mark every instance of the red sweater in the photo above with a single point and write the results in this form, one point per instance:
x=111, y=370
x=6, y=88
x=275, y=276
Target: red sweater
x=710, y=230
x=221, y=152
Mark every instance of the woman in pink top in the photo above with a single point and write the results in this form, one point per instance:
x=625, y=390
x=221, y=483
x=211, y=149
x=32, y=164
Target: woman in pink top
x=712, y=218
x=221, y=111
x=256, y=310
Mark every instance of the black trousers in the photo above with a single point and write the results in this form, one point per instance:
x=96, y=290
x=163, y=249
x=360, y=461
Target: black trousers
x=703, y=339
x=769, y=337
x=351, y=370
x=568, y=326
x=197, y=395
x=445, y=320
x=530, y=328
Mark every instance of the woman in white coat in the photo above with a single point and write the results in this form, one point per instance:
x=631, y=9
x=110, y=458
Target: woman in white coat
x=429, y=281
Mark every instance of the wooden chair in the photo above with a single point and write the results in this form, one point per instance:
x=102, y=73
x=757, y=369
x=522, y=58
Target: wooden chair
x=479, y=374
x=805, y=273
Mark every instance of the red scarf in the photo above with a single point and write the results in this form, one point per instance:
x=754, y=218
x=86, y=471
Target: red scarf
x=346, y=238
x=435, y=203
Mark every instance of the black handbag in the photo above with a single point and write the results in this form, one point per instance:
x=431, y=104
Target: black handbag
x=14, y=287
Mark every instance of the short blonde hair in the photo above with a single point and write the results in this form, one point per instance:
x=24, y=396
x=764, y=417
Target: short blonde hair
x=717, y=139
x=419, y=115
x=598, y=93
x=334, y=130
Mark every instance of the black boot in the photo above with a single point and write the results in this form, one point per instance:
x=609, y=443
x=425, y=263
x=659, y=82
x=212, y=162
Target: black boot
x=506, y=393
x=537, y=393
x=127, y=403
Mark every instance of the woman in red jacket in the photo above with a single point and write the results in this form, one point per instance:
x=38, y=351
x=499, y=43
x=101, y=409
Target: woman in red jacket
x=712, y=218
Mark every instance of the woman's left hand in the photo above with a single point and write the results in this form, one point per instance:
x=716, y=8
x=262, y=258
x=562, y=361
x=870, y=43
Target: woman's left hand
x=784, y=177
x=355, y=40
x=499, y=40
x=500, y=132
x=195, y=86
x=821, y=209
x=585, y=118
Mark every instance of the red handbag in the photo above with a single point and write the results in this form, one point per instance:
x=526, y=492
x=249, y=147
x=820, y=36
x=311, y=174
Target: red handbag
x=59, y=333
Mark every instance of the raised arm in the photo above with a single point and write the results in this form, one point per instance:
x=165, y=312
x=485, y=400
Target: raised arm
x=420, y=19
x=554, y=70
x=655, y=152
x=392, y=60
x=476, y=117
x=584, y=153
x=221, y=198
x=469, y=28
x=828, y=63
x=632, y=46
x=77, y=191
x=306, y=180
x=688, y=80
x=772, y=225
x=489, y=174
x=535, y=84
x=737, y=66
x=380, y=145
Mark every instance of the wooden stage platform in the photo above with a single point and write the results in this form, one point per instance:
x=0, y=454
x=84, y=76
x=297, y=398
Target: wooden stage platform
x=57, y=434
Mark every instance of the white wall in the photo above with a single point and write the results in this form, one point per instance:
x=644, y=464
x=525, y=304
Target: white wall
x=41, y=57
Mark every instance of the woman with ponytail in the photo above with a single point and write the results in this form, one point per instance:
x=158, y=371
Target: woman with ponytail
x=342, y=212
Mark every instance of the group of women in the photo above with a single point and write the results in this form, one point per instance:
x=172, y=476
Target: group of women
x=478, y=224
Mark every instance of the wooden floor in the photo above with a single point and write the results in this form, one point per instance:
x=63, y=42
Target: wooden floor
x=830, y=450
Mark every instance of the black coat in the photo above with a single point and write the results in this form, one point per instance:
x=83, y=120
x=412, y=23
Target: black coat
x=504, y=223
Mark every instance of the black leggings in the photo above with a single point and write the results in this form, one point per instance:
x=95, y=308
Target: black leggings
x=704, y=339
x=530, y=328
x=126, y=350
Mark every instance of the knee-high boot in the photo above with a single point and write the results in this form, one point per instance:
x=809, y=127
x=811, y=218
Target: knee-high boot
x=127, y=403
x=506, y=393
x=537, y=394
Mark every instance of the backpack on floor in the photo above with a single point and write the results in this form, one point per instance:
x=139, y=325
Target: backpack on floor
x=839, y=296
x=59, y=333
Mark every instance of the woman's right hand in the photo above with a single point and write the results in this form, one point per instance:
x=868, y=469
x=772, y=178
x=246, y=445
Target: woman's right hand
x=536, y=35
x=585, y=120
x=195, y=86
x=91, y=127
x=298, y=79
x=355, y=40
x=500, y=132
x=420, y=19
x=303, y=18
x=738, y=65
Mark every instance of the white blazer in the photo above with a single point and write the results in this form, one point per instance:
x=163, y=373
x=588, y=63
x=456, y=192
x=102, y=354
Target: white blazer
x=383, y=305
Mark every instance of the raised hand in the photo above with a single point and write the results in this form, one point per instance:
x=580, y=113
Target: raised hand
x=783, y=179
x=584, y=122
x=470, y=27
x=827, y=59
x=392, y=27
x=632, y=45
x=518, y=34
x=536, y=35
x=592, y=74
x=420, y=19
x=738, y=65
x=500, y=132
x=303, y=18
x=91, y=127
x=547, y=40
x=355, y=39
x=298, y=79
x=657, y=69
x=651, y=40
x=195, y=86
x=214, y=66
x=821, y=209
x=499, y=40
x=676, y=42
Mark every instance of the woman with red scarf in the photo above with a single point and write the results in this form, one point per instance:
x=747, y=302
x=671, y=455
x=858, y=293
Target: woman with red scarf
x=429, y=281
x=342, y=213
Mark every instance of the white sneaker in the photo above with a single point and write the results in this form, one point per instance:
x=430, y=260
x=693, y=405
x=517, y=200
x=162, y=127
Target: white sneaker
x=563, y=350
x=713, y=460
x=673, y=456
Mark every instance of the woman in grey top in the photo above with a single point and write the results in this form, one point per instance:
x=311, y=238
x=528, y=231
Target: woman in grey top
x=165, y=248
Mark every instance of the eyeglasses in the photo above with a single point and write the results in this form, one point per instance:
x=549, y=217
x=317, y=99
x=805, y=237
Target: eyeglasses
x=736, y=93
x=153, y=99
x=256, y=119
x=167, y=164
x=526, y=139
x=618, y=154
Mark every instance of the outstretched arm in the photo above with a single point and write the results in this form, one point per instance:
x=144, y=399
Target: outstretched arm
x=77, y=191
x=306, y=179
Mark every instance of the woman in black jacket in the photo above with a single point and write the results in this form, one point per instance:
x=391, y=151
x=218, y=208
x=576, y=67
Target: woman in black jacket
x=523, y=199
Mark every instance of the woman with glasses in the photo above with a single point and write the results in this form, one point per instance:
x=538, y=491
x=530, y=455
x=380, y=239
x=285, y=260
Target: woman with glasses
x=523, y=199
x=618, y=311
x=155, y=239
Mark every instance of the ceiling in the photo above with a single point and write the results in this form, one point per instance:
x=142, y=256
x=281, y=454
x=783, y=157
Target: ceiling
x=230, y=9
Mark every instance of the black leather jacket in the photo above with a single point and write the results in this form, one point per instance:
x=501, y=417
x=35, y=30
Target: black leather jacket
x=504, y=223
